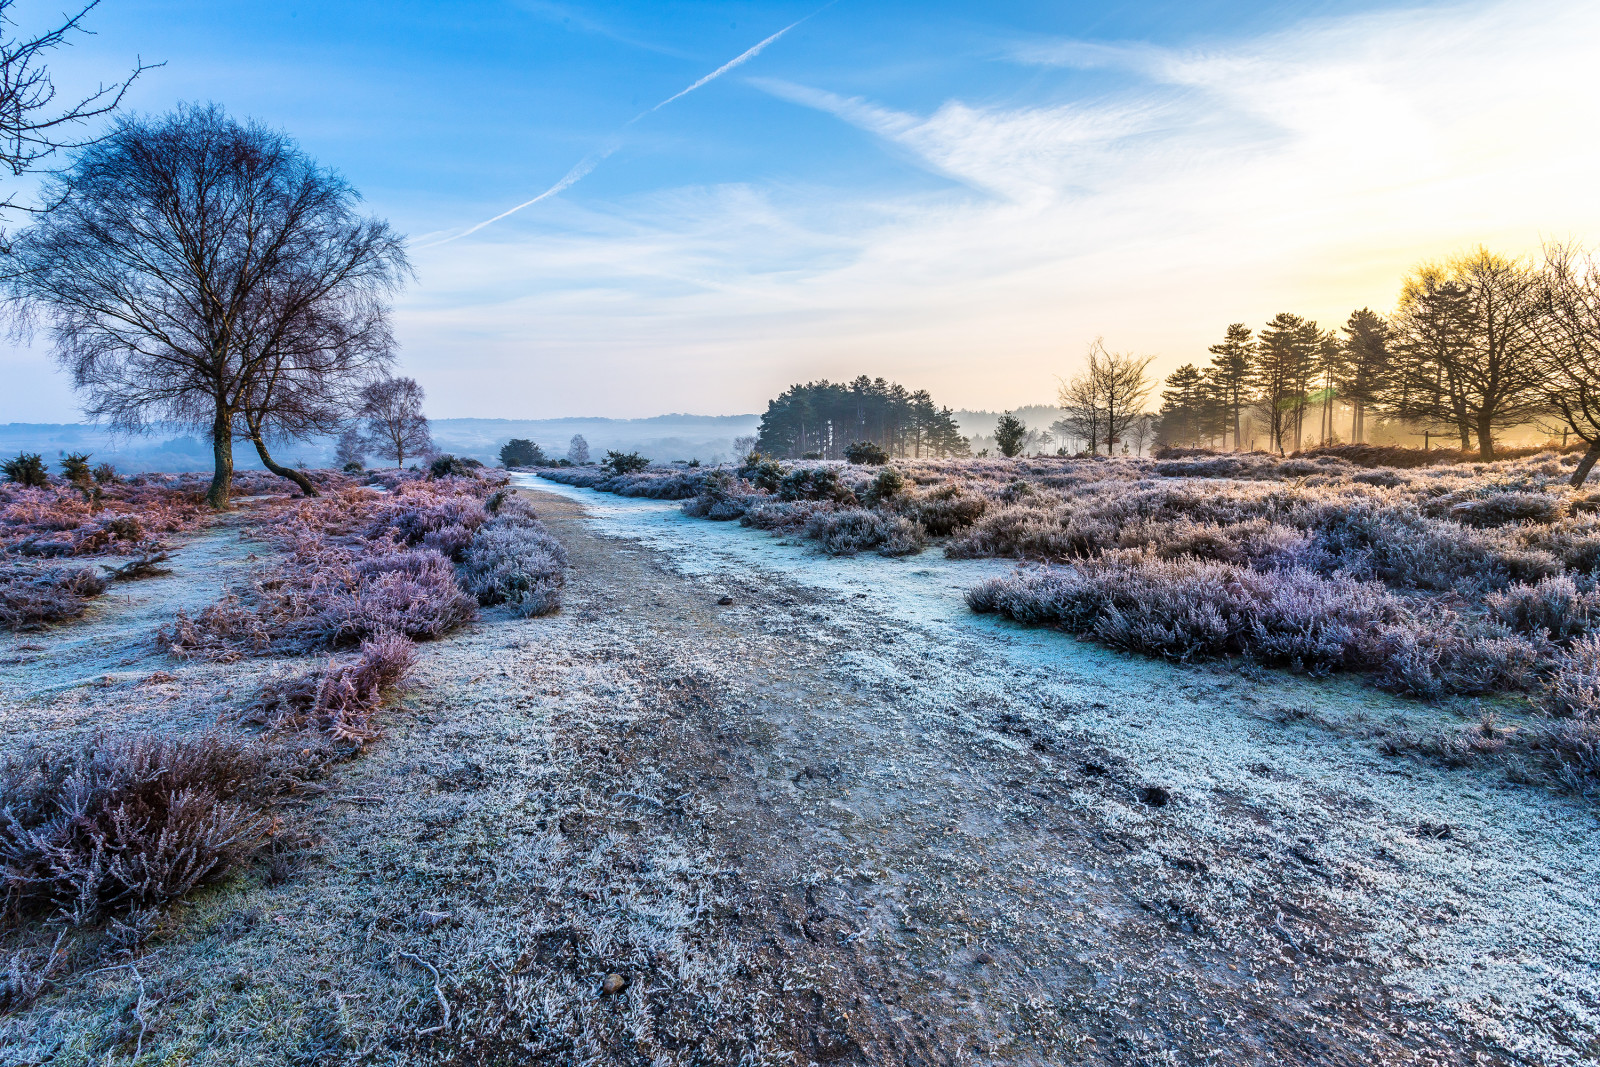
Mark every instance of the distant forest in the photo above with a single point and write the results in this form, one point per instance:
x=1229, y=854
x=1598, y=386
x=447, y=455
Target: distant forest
x=820, y=420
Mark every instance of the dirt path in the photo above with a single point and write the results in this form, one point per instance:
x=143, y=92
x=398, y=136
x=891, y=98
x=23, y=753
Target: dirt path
x=985, y=854
x=843, y=820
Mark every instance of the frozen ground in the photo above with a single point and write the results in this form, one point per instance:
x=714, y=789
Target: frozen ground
x=1446, y=895
x=841, y=820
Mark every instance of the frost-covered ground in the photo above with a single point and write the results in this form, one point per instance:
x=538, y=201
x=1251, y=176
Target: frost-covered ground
x=1472, y=901
x=839, y=820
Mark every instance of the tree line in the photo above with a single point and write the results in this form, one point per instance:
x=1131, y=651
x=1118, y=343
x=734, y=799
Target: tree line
x=822, y=419
x=1477, y=345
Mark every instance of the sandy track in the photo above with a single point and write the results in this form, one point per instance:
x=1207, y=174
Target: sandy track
x=843, y=820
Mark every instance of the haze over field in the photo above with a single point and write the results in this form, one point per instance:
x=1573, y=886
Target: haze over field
x=925, y=192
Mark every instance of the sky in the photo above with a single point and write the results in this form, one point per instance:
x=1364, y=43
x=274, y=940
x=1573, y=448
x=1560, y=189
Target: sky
x=957, y=196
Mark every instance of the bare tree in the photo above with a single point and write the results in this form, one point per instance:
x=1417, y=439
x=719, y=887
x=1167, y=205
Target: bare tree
x=1466, y=345
x=396, y=427
x=1568, y=340
x=188, y=260
x=32, y=124
x=1103, y=401
x=310, y=368
x=350, y=450
x=577, y=450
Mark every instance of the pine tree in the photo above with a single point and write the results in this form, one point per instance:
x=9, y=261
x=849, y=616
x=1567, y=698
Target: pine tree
x=1366, y=368
x=1231, y=365
x=1180, y=408
x=1286, y=352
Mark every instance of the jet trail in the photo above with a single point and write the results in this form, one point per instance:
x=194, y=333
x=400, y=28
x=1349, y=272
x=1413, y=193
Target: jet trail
x=593, y=159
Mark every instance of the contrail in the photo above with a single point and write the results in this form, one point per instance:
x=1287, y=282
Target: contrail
x=742, y=57
x=593, y=159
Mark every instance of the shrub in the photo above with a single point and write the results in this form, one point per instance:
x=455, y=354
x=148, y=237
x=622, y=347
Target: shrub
x=765, y=474
x=1498, y=509
x=781, y=516
x=27, y=469
x=521, y=452
x=75, y=469
x=852, y=530
x=340, y=699
x=516, y=563
x=885, y=486
x=32, y=597
x=1186, y=608
x=945, y=510
x=717, y=499
x=867, y=453
x=409, y=593
x=448, y=466
x=1574, y=688
x=625, y=462
x=105, y=474
x=126, y=823
x=814, y=483
x=1554, y=607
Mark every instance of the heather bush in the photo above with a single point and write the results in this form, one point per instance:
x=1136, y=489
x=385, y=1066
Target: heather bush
x=814, y=483
x=1187, y=608
x=516, y=563
x=30, y=597
x=1554, y=608
x=851, y=530
x=126, y=823
x=784, y=516
x=944, y=510
x=339, y=700
x=718, y=499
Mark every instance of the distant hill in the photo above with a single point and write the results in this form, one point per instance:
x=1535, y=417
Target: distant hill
x=661, y=437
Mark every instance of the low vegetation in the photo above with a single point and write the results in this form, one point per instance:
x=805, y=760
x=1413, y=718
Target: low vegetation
x=1432, y=579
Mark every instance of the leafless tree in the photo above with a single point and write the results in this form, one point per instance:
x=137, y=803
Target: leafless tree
x=396, y=427
x=186, y=270
x=33, y=125
x=351, y=449
x=1105, y=400
x=310, y=369
x=1568, y=339
x=1465, y=347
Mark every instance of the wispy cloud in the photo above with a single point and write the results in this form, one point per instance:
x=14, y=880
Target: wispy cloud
x=594, y=159
x=1300, y=171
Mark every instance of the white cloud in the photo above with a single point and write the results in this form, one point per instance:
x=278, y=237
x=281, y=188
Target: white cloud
x=1303, y=170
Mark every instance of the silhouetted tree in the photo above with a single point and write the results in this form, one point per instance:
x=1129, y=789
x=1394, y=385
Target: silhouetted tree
x=520, y=452
x=1180, y=407
x=1286, y=353
x=1009, y=434
x=1466, y=347
x=188, y=259
x=1365, y=370
x=396, y=427
x=1567, y=338
x=823, y=417
x=1231, y=364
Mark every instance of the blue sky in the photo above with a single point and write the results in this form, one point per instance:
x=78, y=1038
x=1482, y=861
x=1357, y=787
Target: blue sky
x=959, y=196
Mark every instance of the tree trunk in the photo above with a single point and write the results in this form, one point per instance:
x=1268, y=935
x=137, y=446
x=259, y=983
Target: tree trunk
x=1586, y=464
x=1485, y=439
x=297, y=477
x=222, y=453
